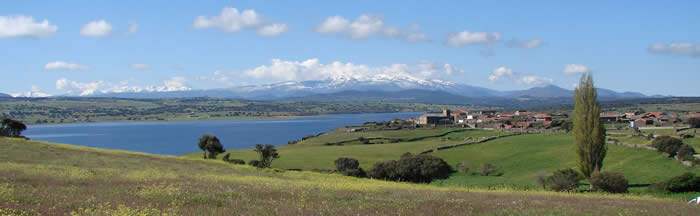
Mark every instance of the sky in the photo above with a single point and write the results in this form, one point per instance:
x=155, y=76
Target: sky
x=92, y=47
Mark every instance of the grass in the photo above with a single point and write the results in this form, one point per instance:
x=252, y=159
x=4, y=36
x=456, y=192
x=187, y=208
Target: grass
x=313, y=154
x=56, y=179
x=520, y=158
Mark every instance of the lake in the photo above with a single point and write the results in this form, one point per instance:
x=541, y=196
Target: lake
x=176, y=138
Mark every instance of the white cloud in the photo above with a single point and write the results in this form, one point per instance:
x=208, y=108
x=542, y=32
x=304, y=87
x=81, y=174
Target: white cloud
x=499, y=73
x=534, y=80
x=272, y=30
x=25, y=26
x=333, y=24
x=34, y=92
x=576, y=69
x=174, y=84
x=313, y=69
x=81, y=89
x=99, y=86
x=133, y=28
x=230, y=20
x=466, y=38
x=505, y=72
x=366, y=26
x=61, y=65
x=97, y=28
x=140, y=66
x=452, y=70
x=676, y=49
x=526, y=44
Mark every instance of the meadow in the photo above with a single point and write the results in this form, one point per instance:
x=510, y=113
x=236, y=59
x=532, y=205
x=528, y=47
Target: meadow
x=313, y=153
x=518, y=158
x=39, y=178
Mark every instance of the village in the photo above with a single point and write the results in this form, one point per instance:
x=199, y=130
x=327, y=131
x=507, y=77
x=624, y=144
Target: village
x=522, y=119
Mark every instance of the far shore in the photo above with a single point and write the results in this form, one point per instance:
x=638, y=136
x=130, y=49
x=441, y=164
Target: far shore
x=185, y=120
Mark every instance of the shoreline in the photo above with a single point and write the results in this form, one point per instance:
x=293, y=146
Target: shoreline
x=175, y=121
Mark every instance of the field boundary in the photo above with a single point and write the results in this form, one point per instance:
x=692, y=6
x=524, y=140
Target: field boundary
x=470, y=143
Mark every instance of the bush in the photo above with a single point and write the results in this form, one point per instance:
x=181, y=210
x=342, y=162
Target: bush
x=686, y=152
x=412, y=168
x=693, y=122
x=385, y=170
x=667, y=144
x=342, y=164
x=541, y=180
x=463, y=167
x=233, y=161
x=486, y=169
x=564, y=180
x=609, y=182
x=255, y=163
x=267, y=154
x=567, y=126
x=359, y=172
x=686, y=182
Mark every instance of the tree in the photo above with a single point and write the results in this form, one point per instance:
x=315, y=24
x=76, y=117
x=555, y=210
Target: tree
x=567, y=126
x=211, y=144
x=694, y=122
x=667, y=144
x=9, y=127
x=589, y=133
x=267, y=153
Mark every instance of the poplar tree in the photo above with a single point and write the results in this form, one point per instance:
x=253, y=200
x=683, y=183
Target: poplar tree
x=589, y=133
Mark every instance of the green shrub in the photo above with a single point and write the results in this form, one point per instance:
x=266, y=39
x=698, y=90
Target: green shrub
x=609, y=182
x=413, y=168
x=342, y=164
x=359, y=172
x=686, y=182
x=463, y=167
x=486, y=169
x=267, y=154
x=541, y=180
x=233, y=161
x=255, y=163
x=686, y=152
x=564, y=180
x=667, y=144
x=385, y=170
x=693, y=122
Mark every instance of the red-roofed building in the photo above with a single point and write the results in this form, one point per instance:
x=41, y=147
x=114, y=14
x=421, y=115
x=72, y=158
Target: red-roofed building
x=693, y=115
x=543, y=117
x=610, y=117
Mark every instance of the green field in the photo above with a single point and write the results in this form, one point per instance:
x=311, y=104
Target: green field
x=55, y=179
x=314, y=154
x=518, y=158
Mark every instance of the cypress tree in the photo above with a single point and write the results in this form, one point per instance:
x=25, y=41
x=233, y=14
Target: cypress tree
x=589, y=133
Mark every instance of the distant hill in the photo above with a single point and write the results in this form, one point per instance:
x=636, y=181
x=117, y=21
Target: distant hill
x=404, y=96
x=5, y=95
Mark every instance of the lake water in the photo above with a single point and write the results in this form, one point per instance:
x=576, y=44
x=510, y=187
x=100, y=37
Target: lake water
x=176, y=138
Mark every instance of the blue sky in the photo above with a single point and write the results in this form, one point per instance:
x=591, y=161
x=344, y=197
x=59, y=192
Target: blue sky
x=87, y=47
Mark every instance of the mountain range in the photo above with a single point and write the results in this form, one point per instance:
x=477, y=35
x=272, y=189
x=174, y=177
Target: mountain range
x=394, y=86
x=5, y=95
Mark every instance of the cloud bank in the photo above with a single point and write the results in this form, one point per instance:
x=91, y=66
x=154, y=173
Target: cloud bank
x=366, y=26
x=25, y=26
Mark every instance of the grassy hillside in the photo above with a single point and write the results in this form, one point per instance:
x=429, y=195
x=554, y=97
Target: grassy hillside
x=55, y=179
x=315, y=154
x=520, y=158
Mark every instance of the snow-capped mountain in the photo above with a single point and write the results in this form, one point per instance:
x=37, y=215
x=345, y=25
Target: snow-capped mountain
x=377, y=83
